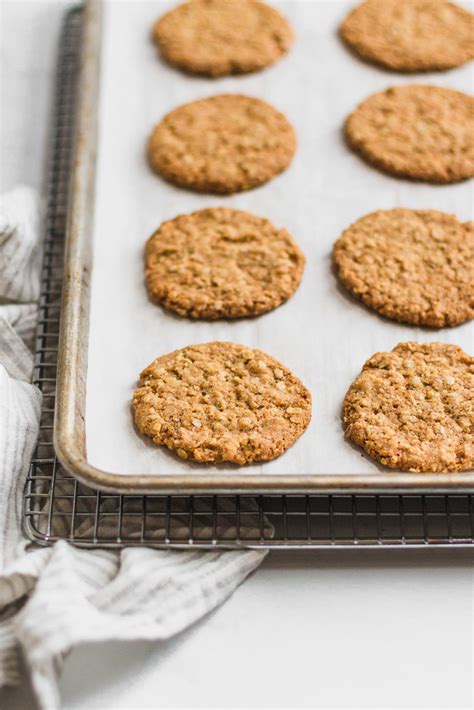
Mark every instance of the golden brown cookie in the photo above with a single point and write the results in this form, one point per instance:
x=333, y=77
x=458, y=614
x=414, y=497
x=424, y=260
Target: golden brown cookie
x=222, y=144
x=411, y=35
x=420, y=132
x=221, y=263
x=415, y=266
x=219, y=37
x=413, y=408
x=221, y=402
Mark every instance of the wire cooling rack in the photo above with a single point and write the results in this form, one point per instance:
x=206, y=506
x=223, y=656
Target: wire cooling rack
x=57, y=506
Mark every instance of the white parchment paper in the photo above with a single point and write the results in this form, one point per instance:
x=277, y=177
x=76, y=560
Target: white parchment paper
x=321, y=333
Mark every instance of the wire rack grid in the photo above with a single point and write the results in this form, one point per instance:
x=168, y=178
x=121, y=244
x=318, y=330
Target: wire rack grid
x=56, y=506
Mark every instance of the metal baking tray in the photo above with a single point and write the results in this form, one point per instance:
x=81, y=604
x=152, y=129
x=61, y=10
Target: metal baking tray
x=334, y=187
x=57, y=507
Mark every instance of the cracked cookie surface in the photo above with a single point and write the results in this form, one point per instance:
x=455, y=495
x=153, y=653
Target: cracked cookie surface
x=410, y=35
x=414, y=266
x=220, y=37
x=419, y=132
x=413, y=408
x=221, y=263
x=222, y=144
x=221, y=402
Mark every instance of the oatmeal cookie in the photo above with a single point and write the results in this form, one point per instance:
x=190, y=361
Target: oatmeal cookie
x=415, y=266
x=221, y=263
x=222, y=144
x=219, y=37
x=221, y=402
x=410, y=35
x=420, y=132
x=413, y=408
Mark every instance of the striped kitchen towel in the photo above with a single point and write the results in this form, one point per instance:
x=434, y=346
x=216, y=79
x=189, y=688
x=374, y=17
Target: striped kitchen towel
x=53, y=598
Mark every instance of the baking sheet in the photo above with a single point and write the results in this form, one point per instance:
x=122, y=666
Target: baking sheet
x=321, y=333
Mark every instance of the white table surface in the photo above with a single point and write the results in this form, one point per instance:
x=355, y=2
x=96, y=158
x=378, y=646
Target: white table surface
x=314, y=629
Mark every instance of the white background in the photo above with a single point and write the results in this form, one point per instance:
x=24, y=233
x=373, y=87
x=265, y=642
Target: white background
x=322, y=630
